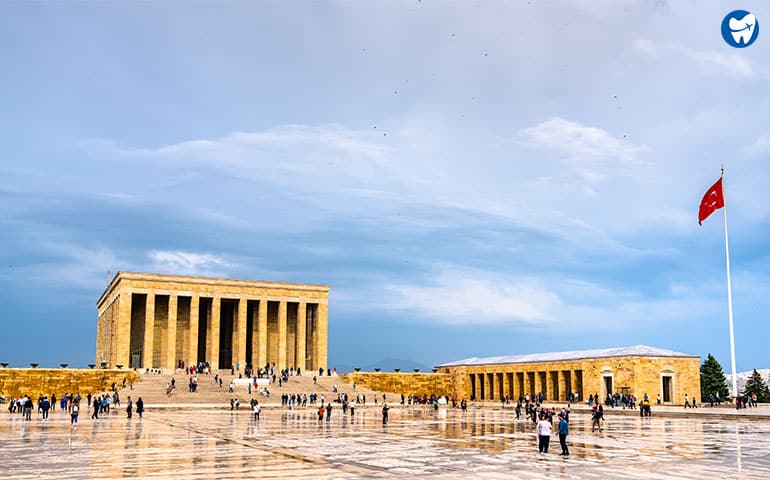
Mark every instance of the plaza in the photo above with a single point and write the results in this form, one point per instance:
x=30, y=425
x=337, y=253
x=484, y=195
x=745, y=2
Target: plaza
x=418, y=442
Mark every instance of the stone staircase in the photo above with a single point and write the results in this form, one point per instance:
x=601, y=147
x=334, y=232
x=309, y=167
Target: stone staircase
x=152, y=389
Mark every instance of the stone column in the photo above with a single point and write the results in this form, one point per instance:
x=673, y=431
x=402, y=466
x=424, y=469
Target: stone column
x=282, y=335
x=548, y=386
x=191, y=356
x=314, y=338
x=574, y=385
x=253, y=338
x=526, y=386
x=323, y=333
x=262, y=333
x=491, y=385
x=563, y=386
x=149, y=330
x=122, y=353
x=538, y=384
x=170, y=361
x=506, y=385
x=301, y=335
x=212, y=335
x=239, y=334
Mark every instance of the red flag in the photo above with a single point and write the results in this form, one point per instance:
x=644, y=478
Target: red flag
x=713, y=200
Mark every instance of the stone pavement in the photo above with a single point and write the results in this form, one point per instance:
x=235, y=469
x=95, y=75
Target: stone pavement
x=418, y=442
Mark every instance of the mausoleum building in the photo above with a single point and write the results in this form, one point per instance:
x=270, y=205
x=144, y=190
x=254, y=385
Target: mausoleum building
x=632, y=370
x=157, y=321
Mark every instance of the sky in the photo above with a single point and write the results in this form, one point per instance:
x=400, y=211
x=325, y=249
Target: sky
x=470, y=178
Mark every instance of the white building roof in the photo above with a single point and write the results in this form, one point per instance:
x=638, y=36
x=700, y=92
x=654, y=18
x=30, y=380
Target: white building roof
x=632, y=351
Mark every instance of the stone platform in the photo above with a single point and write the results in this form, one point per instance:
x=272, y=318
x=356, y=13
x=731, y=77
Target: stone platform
x=418, y=442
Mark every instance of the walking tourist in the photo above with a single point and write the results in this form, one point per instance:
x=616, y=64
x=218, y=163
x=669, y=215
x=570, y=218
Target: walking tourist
x=74, y=413
x=45, y=405
x=97, y=407
x=129, y=407
x=139, y=406
x=385, y=413
x=596, y=418
x=256, y=409
x=543, y=434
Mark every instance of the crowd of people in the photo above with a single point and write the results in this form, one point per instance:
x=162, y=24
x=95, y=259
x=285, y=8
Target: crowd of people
x=101, y=404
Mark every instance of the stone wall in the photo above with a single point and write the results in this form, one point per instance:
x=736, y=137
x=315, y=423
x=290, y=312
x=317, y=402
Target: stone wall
x=15, y=382
x=405, y=383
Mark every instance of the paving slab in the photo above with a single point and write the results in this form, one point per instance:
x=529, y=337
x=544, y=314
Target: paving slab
x=418, y=442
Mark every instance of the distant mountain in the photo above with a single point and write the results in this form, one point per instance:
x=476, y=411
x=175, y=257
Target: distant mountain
x=742, y=377
x=387, y=365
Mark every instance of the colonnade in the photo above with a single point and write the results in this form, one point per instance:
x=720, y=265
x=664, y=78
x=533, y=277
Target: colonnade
x=497, y=384
x=157, y=329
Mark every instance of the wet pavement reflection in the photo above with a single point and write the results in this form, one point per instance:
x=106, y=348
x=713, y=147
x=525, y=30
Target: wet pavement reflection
x=484, y=443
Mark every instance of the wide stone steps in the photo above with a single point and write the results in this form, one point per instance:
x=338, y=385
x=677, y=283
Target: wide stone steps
x=152, y=389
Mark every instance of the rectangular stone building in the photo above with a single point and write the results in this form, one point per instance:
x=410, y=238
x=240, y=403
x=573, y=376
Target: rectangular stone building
x=632, y=370
x=156, y=321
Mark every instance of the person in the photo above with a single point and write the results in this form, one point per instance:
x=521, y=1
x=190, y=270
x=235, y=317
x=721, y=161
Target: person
x=596, y=418
x=328, y=411
x=563, y=432
x=45, y=405
x=27, y=408
x=518, y=410
x=352, y=407
x=385, y=413
x=256, y=409
x=74, y=413
x=463, y=405
x=129, y=407
x=686, y=401
x=97, y=407
x=543, y=434
x=321, y=414
x=139, y=406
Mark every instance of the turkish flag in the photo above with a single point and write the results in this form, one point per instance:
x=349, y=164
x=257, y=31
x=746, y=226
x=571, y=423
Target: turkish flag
x=712, y=200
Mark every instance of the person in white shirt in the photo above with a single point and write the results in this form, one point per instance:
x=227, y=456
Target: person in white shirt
x=543, y=434
x=256, y=409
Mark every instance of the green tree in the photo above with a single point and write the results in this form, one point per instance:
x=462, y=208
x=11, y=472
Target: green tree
x=755, y=384
x=712, y=379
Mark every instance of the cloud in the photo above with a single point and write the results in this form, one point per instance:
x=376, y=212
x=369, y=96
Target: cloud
x=760, y=146
x=188, y=263
x=468, y=297
x=580, y=142
x=710, y=61
x=66, y=265
x=455, y=295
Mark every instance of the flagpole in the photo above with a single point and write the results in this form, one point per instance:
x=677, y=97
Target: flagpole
x=729, y=293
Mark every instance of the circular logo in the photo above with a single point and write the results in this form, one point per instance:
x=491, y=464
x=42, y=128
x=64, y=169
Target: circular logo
x=740, y=28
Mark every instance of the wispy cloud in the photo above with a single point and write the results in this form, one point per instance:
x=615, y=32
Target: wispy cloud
x=188, y=263
x=580, y=142
x=472, y=297
x=710, y=61
x=760, y=146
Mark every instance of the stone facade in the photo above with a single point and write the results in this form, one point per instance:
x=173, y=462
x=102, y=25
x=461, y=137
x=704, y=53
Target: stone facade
x=15, y=382
x=671, y=376
x=405, y=383
x=156, y=321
